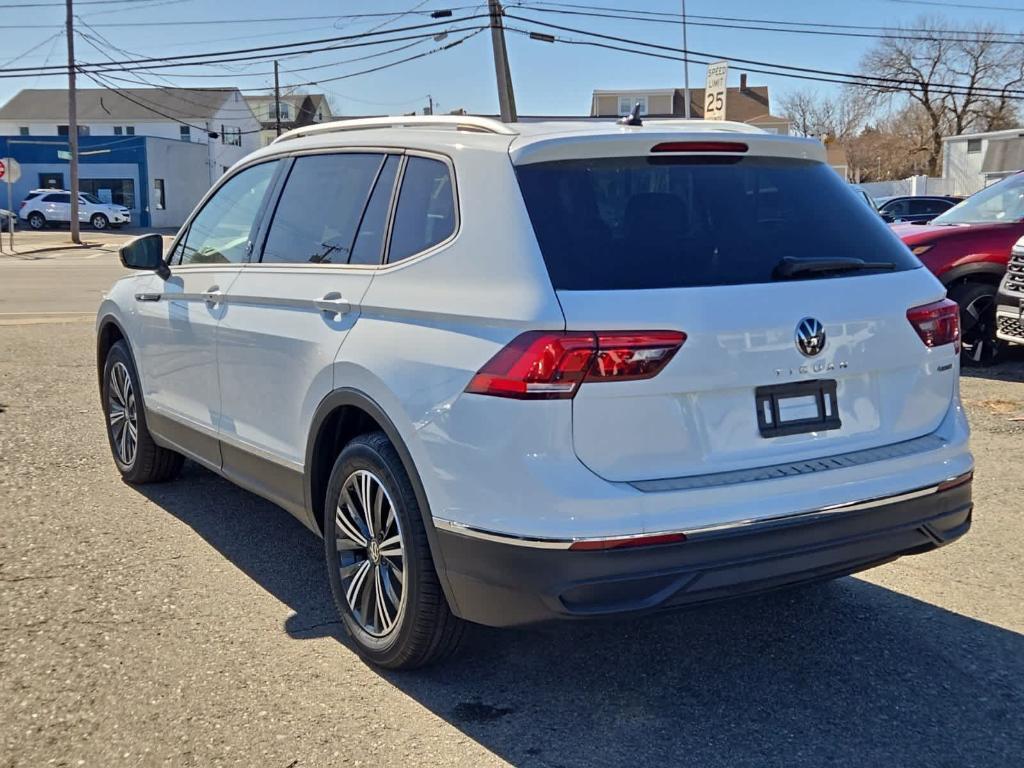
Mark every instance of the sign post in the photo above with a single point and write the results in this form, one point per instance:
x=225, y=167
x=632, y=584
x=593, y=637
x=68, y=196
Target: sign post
x=10, y=172
x=715, y=91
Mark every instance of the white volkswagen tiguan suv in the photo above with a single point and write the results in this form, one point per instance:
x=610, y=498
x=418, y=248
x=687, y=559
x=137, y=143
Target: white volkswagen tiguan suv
x=514, y=373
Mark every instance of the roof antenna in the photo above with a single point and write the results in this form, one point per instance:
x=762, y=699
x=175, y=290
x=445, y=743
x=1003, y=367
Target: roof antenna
x=633, y=118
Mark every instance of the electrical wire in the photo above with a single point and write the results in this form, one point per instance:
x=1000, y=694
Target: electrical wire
x=100, y=80
x=880, y=35
x=876, y=82
x=264, y=51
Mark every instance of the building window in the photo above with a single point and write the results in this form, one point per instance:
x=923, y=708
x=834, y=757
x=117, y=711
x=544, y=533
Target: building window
x=283, y=107
x=159, y=202
x=129, y=130
x=973, y=145
x=51, y=181
x=116, y=191
x=118, y=130
x=232, y=136
x=185, y=132
x=626, y=104
x=63, y=130
x=23, y=130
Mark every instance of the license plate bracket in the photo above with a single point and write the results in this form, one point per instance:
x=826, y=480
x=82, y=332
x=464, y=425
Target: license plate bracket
x=797, y=407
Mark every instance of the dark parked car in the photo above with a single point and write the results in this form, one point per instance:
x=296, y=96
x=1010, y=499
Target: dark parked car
x=915, y=209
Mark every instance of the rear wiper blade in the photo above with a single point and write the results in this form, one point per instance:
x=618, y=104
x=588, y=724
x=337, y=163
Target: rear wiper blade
x=790, y=266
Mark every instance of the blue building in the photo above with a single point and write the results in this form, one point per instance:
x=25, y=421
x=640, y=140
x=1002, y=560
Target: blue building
x=159, y=179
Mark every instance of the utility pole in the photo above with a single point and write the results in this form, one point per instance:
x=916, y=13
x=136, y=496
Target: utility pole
x=72, y=122
x=506, y=97
x=277, y=99
x=430, y=103
x=686, y=69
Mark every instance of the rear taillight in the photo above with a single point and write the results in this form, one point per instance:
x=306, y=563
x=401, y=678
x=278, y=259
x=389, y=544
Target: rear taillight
x=23, y=203
x=540, y=365
x=937, y=324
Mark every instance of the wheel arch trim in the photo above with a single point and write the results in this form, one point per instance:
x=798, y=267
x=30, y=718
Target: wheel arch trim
x=970, y=269
x=346, y=396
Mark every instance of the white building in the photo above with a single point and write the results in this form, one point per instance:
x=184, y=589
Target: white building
x=220, y=118
x=972, y=161
x=297, y=110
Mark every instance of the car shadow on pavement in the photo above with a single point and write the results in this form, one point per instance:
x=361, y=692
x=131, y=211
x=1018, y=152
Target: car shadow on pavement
x=1009, y=368
x=845, y=673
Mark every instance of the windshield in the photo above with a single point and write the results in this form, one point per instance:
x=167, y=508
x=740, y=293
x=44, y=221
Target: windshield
x=91, y=199
x=668, y=222
x=1002, y=202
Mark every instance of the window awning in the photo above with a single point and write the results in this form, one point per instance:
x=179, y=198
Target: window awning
x=1004, y=155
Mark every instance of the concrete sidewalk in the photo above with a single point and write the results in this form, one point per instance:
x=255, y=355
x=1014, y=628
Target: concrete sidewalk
x=28, y=242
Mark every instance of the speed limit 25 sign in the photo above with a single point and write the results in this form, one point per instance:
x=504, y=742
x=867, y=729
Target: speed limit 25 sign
x=715, y=91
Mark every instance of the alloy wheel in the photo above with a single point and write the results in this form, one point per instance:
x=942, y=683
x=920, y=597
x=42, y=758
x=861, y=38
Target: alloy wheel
x=977, y=335
x=371, y=553
x=122, y=414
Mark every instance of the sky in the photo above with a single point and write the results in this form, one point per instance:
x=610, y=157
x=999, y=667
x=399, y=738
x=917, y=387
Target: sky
x=549, y=79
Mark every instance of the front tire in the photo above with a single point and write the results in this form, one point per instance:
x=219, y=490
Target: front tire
x=977, y=301
x=138, y=458
x=382, y=576
x=99, y=221
x=36, y=220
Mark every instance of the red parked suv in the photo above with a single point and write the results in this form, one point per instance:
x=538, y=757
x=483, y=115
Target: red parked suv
x=967, y=248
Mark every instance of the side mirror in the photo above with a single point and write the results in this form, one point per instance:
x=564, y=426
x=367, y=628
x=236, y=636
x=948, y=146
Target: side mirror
x=145, y=252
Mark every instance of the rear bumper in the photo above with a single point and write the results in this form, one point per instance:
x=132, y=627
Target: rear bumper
x=500, y=581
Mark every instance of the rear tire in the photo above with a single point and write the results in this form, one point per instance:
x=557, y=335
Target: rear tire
x=36, y=220
x=382, y=576
x=138, y=458
x=977, y=301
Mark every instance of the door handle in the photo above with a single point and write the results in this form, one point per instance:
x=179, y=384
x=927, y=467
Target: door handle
x=148, y=296
x=332, y=304
x=213, y=296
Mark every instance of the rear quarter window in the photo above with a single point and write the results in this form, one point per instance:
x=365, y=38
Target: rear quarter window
x=425, y=214
x=639, y=222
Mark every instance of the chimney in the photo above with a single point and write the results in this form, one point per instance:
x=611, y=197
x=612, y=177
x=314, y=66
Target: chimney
x=743, y=81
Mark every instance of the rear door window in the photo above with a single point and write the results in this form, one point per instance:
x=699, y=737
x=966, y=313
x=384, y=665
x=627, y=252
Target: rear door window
x=425, y=215
x=639, y=222
x=57, y=198
x=369, y=245
x=320, y=208
x=919, y=207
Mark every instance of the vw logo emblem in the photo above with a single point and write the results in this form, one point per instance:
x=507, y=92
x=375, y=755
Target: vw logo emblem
x=810, y=337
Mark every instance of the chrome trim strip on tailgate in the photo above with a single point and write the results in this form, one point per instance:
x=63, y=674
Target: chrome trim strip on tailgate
x=734, y=526
x=839, y=461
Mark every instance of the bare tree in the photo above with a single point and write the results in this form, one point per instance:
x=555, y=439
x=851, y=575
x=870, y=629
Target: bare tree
x=961, y=81
x=827, y=117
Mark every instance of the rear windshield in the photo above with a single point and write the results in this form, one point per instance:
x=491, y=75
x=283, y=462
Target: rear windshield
x=638, y=222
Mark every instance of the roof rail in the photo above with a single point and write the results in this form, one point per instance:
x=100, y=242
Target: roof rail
x=456, y=122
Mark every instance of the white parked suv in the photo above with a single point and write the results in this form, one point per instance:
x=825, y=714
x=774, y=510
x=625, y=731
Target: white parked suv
x=53, y=206
x=514, y=373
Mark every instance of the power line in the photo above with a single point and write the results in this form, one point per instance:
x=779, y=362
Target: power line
x=261, y=57
x=532, y=5
x=33, y=48
x=266, y=50
x=969, y=6
x=789, y=30
x=88, y=2
x=102, y=81
x=876, y=82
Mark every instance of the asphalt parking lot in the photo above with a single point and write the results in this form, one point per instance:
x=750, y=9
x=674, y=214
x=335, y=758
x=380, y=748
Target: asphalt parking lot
x=191, y=624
